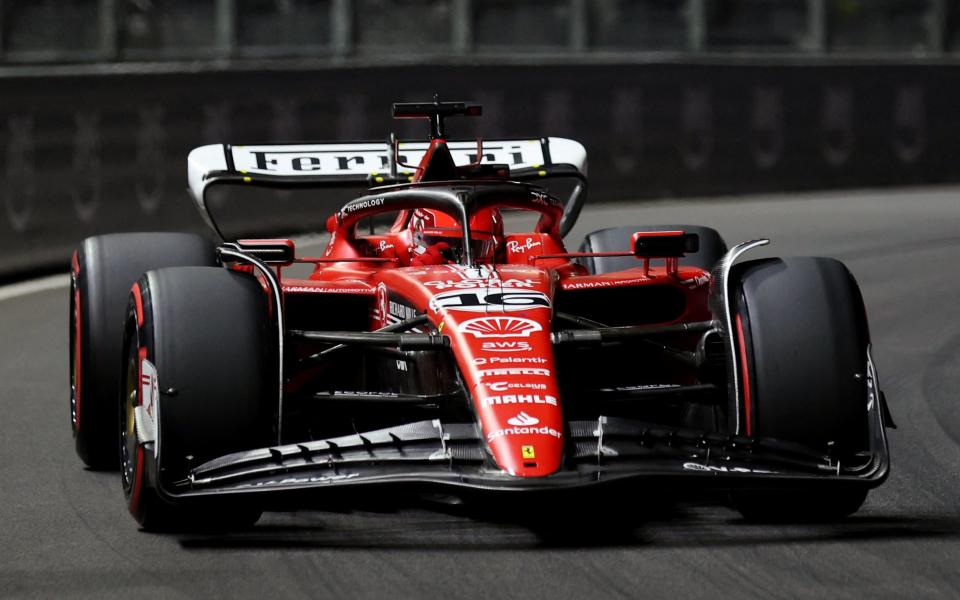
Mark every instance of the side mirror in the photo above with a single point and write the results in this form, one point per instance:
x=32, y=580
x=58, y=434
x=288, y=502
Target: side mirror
x=274, y=252
x=664, y=244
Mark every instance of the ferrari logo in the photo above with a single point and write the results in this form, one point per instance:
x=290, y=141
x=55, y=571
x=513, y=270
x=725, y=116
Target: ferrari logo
x=528, y=452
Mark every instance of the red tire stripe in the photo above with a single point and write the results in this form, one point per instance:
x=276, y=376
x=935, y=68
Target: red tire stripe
x=138, y=301
x=138, y=472
x=745, y=377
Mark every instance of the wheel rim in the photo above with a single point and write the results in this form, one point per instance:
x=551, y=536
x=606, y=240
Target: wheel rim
x=129, y=445
x=75, y=353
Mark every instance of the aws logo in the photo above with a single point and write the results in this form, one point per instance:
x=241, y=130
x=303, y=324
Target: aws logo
x=507, y=346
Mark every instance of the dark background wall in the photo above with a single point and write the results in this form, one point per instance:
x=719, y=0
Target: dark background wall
x=90, y=154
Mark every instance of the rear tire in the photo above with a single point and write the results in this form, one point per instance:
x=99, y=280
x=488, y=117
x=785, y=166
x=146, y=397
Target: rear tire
x=103, y=269
x=208, y=335
x=618, y=239
x=805, y=339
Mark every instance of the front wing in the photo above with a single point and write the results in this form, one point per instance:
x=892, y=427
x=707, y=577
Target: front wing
x=603, y=452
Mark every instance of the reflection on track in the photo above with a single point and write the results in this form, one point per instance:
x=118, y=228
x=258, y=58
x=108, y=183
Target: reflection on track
x=697, y=527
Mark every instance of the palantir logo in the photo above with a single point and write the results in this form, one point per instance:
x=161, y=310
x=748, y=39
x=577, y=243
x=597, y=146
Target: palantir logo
x=523, y=420
x=500, y=327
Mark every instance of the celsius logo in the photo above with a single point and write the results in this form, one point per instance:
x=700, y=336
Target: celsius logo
x=500, y=327
x=503, y=386
x=523, y=420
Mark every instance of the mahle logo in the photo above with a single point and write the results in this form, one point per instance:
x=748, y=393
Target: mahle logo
x=518, y=399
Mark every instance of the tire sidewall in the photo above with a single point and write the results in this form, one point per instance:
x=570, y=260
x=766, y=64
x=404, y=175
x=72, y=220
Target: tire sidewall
x=785, y=376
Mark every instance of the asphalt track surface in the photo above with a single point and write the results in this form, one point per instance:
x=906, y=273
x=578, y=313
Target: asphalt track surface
x=64, y=531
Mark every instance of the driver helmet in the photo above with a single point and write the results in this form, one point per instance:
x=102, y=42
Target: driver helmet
x=437, y=232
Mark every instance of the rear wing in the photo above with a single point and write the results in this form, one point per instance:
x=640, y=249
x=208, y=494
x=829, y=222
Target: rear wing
x=366, y=164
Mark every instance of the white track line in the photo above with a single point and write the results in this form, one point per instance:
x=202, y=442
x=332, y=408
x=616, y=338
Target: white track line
x=55, y=282
x=34, y=286
x=61, y=281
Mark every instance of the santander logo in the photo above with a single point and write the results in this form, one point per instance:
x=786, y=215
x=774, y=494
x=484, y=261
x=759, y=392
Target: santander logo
x=500, y=327
x=523, y=420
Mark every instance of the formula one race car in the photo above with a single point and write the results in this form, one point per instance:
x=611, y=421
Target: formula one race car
x=430, y=347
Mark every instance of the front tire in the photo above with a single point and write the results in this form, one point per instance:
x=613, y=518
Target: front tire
x=801, y=325
x=206, y=334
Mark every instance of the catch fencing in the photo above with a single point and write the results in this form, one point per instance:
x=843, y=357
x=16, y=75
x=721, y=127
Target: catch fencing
x=90, y=153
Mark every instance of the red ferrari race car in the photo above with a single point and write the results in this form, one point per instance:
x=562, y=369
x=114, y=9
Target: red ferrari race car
x=431, y=347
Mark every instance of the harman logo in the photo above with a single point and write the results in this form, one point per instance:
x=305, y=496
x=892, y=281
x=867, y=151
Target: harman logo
x=523, y=420
x=500, y=327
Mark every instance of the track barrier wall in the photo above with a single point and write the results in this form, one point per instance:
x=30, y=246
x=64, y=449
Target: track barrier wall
x=83, y=155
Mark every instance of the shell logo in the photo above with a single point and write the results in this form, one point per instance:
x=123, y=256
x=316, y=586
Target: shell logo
x=500, y=327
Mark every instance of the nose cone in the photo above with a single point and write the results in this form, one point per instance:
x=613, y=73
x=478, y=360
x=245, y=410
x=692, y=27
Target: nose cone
x=498, y=320
x=499, y=324
x=524, y=432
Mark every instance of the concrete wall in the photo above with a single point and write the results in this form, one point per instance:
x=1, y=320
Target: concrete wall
x=91, y=154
